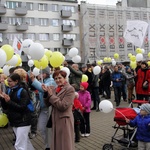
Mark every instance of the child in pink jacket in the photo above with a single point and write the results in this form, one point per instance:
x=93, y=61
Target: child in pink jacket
x=85, y=99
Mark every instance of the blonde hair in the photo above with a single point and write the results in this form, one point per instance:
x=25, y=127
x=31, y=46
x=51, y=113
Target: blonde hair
x=22, y=73
x=2, y=75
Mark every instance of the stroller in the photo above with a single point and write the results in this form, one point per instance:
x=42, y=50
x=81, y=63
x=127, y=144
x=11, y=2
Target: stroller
x=127, y=139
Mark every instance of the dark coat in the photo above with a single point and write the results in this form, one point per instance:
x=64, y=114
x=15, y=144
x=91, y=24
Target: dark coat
x=18, y=113
x=62, y=118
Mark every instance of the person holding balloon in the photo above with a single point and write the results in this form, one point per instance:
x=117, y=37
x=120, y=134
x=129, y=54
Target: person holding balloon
x=18, y=113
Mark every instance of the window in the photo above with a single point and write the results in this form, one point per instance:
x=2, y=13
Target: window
x=57, y=49
x=55, y=7
x=30, y=21
x=44, y=37
x=13, y=5
x=69, y=22
x=43, y=7
x=31, y=36
x=43, y=21
x=70, y=36
x=29, y=6
x=55, y=23
x=68, y=8
x=11, y=36
x=56, y=37
x=13, y=21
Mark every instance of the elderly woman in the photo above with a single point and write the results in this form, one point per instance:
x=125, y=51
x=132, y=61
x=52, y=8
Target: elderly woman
x=61, y=100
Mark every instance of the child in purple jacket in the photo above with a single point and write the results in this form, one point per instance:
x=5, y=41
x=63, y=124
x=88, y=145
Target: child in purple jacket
x=85, y=99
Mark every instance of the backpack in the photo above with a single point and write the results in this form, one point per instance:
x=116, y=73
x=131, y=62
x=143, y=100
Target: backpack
x=30, y=105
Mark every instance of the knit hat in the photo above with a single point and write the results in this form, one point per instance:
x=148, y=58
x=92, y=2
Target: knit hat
x=84, y=66
x=145, y=107
x=46, y=70
x=84, y=84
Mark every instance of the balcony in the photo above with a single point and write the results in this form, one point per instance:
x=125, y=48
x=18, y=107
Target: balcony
x=3, y=26
x=21, y=11
x=66, y=14
x=2, y=9
x=3, y=42
x=21, y=27
x=67, y=42
x=66, y=28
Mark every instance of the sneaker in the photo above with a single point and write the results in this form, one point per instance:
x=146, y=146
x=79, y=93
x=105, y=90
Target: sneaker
x=32, y=135
x=87, y=134
x=83, y=135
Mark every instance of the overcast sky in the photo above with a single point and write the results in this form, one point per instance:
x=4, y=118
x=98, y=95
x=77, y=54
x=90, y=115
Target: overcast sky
x=104, y=2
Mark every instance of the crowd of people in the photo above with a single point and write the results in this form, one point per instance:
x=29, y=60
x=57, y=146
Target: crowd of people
x=62, y=106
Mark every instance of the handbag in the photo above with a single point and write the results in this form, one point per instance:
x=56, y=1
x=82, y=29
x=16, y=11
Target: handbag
x=49, y=122
x=145, y=83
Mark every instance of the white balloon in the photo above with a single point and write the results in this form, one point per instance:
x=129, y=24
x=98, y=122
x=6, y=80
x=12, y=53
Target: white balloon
x=26, y=45
x=30, y=63
x=36, y=71
x=143, y=51
x=3, y=57
x=66, y=70
x=96, y=70
x=113, y=62
x=73, y=52
x=139, y=57
x=105, y=106
x=6, y=70
x=76, y=59
x=36, y=51
x=13, y=61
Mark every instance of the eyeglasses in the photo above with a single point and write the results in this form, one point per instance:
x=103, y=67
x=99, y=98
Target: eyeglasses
x=58, y=78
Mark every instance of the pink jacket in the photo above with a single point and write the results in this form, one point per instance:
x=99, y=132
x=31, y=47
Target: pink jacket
x=85, y=99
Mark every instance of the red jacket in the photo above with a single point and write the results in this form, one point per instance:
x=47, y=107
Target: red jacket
x=77, y=105
x=140, y=80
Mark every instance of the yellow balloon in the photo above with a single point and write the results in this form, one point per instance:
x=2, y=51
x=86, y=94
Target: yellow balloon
x=133, y=58
x=149, y=54
x=129, y=55
x=19, y=60
x=138, y=50
x=133, y=64
x=84, y=78
x=3, y=120
x=109, y=59
x=8, y=50
x=105, y=59
x=1, y=70
x=6, y=82
x=99, y=62
x=148, y=63
x=56, y=59
x=48, y=53
x=42, y=63
x=116, y=55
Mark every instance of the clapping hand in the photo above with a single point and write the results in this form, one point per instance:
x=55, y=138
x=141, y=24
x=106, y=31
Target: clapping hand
x=5, y=96
x=44, y=87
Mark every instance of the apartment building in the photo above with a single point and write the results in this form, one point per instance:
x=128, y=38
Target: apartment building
x=53, y=23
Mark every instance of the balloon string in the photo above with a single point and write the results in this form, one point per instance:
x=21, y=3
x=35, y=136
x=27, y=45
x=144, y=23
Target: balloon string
x=41, y=75
x=120, y=113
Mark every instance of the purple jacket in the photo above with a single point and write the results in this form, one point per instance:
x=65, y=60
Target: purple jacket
x=85, y=99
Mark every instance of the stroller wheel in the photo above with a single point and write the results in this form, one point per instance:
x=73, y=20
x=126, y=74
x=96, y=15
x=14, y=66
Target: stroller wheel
x=108, y=147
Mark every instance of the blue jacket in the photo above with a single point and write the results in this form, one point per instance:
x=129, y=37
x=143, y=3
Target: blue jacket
x=37, y=84
x=115, y=76
x=143, y=127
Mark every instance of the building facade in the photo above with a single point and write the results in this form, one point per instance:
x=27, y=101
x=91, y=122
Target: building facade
x=102, y=30
x=54, y=24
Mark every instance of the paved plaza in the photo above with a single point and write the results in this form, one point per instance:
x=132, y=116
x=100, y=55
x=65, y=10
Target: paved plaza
x=101, y=133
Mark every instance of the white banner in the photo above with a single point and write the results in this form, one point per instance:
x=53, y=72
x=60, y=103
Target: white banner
x=17, y=46
x=135, y=32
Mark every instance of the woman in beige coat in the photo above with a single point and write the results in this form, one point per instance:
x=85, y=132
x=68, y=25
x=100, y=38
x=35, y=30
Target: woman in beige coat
x=61, y=100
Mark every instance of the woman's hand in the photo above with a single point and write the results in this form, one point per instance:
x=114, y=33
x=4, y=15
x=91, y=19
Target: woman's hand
x=6, y=97
x=44, y=87
x=49, y=90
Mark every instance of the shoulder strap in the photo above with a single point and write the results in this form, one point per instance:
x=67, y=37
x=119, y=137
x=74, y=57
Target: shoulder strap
x=8, y=91
x=19, y=93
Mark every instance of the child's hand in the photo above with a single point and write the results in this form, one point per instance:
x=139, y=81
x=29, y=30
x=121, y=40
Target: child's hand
x=127, y=120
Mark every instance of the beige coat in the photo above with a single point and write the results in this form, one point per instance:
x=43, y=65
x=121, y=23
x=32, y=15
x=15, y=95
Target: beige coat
x=62, y=119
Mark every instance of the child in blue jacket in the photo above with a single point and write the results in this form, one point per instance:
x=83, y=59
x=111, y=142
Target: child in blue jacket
x=142, y=122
